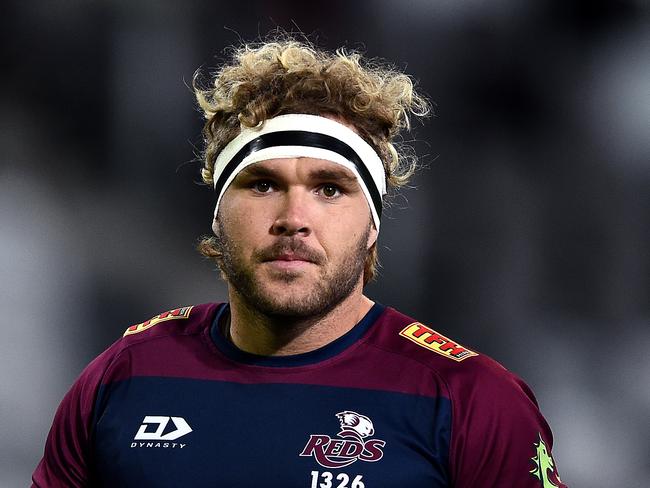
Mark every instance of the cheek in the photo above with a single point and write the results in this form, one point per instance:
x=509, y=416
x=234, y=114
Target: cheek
x=243, y=224
x=341, y=237
x=230, y=212
x=350, y=225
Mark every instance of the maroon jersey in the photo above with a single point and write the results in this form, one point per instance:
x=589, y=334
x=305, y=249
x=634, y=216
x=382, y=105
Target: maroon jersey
x=392, y=403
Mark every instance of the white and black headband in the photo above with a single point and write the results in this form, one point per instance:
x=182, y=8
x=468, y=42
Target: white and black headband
x=302, y=135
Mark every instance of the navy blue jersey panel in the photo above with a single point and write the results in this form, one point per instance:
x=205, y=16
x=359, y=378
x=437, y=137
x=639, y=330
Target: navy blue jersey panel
x=163, y=432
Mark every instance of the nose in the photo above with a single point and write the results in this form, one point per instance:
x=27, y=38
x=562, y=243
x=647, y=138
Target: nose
x=292, y=215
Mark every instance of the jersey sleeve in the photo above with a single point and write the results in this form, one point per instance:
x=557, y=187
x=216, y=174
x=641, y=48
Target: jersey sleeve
x=66, y=458
x=499, y=437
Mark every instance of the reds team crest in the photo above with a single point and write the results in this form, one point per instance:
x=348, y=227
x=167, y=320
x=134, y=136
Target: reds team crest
x=351, y=444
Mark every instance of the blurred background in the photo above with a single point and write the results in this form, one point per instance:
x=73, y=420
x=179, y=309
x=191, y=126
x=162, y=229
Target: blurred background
x=526, y=237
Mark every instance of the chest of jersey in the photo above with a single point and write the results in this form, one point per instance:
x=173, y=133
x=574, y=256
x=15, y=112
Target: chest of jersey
x=161, y=431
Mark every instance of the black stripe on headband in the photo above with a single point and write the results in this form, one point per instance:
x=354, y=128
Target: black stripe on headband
x=303, y=138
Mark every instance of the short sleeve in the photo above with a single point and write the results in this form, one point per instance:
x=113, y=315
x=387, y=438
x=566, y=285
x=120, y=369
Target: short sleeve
x=499, y=437
x=66, y=458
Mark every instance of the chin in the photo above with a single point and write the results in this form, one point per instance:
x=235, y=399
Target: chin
x=298, y=300
x=309, y=291
x=293, y=307
x=289, y=294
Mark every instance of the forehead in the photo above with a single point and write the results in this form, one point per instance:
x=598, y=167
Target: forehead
x=302, y=167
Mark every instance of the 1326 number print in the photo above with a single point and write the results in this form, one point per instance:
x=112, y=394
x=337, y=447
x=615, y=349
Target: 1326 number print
x=325, y=479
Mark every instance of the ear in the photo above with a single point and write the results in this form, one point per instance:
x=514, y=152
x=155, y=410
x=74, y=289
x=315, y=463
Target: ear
x=215, y=221
x=372, y=236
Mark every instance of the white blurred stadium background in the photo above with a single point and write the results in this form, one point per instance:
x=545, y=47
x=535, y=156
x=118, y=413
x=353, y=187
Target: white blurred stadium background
x=526, y=238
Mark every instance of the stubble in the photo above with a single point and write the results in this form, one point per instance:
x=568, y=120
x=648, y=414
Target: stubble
x=333, y=284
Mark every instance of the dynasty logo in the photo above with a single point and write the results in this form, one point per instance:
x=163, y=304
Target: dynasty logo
x=161, y=433
x=350, y=445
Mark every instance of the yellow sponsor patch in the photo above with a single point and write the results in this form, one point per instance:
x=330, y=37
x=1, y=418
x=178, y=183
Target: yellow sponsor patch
x=430, y=339
x=177, y=313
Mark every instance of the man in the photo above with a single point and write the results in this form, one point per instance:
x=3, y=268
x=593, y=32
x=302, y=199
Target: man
x=300, y=379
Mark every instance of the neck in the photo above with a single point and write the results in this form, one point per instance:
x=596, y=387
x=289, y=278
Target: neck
x=254, y=332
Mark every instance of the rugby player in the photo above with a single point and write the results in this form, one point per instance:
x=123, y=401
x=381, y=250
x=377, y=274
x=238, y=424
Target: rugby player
x=299, y=379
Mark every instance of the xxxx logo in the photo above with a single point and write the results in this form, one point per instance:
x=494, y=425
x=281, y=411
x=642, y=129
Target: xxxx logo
x=350, y=445
x=177, y=313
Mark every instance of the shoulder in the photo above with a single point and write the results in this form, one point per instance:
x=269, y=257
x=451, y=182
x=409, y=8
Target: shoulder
x=144, y=343
x=181, y=320
x=143, y=336
x=492, y=409
x=464, y=370
x=424, y=343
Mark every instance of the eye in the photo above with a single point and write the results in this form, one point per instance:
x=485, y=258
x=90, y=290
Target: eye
x=262, y=186
x=330, y=191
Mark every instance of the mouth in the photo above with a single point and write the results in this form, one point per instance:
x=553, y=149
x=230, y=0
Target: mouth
x=289, y=261
x=290, y=257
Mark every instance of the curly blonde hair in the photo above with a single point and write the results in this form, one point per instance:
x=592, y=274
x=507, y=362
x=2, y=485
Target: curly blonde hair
x=292, y=76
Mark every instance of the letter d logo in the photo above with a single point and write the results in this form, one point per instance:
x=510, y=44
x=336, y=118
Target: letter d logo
x=182, y=428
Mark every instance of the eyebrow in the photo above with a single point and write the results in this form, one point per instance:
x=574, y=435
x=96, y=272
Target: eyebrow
x=256, y=170
x=336, y=175
x=330, y=174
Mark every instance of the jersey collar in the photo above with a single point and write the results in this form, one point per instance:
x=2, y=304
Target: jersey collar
x=321, y=354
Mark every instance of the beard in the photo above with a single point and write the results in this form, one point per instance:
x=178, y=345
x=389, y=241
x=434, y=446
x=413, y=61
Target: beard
x=330, y=288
